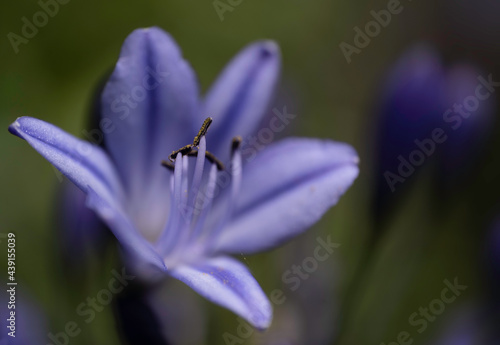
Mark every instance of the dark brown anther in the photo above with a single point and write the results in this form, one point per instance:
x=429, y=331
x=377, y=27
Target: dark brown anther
x=213, y=159
x=168, y=165
x=183, y=151
x=210, y=157
x=203, y=131
x=235, y=144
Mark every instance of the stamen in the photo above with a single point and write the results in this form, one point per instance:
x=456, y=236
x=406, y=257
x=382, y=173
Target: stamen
x=198, y=170
x=167, y=238
x=235, y=144
x=203, y=131
x=183, y=151
x=184, y=187
x=178, y=179
x=210, y=157
x=190, y=207
x=206, y=205
x=236, y=175
x=236, y=168
x=169, y=165
x=185, y=212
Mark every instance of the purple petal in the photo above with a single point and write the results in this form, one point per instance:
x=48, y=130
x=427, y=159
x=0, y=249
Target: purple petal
x=228, y=283
x=149, y=106
x=86, y=165
x=240, y=96
x=285, y=190
x=411, y=105
x=90, y=169
x=82, y=233
x=140, y=253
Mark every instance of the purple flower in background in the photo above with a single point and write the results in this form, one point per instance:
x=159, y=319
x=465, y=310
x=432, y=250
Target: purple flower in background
x=469, y=117
x=184, y=222
x=428, y=110
x=410, y=107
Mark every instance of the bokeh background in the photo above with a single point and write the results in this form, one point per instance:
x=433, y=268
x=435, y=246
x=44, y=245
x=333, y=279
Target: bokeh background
x=396, y=248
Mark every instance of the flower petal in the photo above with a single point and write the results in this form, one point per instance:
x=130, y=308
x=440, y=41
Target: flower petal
x=227, y=282
x=149, y=108
x=286, y=189
x=82, y=233
x=139, y=252
x=240, y=96
x=89, y=167
x=83, y=163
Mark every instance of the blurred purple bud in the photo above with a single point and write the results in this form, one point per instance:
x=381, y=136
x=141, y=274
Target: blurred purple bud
x=410, y=107
x=469, y=117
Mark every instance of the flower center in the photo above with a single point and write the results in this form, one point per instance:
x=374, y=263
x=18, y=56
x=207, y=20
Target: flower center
x=189, y=231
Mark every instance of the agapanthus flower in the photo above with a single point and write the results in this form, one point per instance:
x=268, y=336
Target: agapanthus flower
x=81, y=232
x=186, y=221
x=423, y=116
x=410, y=107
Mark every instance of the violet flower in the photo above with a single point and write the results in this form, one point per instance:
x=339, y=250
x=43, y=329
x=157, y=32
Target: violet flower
x=82, y=234
x=410, y=107
x=151, y=107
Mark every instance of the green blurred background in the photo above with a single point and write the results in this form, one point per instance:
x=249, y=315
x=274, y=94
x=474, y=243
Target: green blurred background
x=54, y=76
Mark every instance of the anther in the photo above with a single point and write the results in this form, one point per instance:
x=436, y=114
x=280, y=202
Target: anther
x=183, y=151
x=210, y=157
x=168, y=165
x=203, y=131
x=235, y=144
